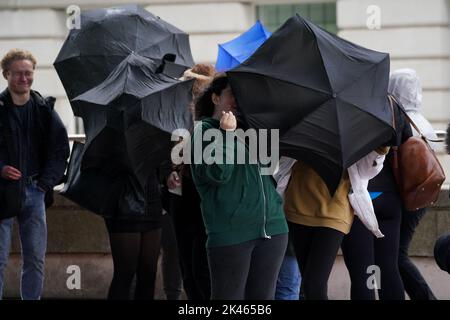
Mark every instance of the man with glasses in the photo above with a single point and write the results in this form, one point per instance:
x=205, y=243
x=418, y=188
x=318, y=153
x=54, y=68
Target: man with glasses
x=34, y=148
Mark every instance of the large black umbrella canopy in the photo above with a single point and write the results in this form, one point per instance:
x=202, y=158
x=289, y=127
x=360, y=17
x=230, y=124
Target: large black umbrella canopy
x=132, y=114
x=129, y=119
x=326, y=95
x=107, y=36
x=104, y=190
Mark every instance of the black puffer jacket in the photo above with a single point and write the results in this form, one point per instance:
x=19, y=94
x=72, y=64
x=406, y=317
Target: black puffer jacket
x=53, y=150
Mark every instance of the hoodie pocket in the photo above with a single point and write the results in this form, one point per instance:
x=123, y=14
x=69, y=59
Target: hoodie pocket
x=239, y=204
x=246, y=212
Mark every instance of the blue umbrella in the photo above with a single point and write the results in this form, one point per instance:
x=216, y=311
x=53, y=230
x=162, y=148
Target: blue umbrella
x=236, y=51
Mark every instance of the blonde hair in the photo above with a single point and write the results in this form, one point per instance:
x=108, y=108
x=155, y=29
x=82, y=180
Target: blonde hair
x=14, y=55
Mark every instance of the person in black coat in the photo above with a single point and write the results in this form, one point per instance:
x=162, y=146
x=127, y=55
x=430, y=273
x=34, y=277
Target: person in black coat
x=185, y=209
x=34, y=148
x=442, y=244
x=363, y=253
x=135, y=235
x=405, y=85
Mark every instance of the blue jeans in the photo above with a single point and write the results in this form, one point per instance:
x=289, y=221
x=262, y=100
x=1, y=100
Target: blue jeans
x=33, y=241
x=289, y=279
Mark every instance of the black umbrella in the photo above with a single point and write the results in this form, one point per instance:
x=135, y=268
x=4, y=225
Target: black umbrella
x=141, y=105
x=327, y=96
x=107, y=36
x=129, y=119
x=99, y=189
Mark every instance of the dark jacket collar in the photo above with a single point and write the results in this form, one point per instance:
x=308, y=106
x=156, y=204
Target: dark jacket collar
x=5, y=99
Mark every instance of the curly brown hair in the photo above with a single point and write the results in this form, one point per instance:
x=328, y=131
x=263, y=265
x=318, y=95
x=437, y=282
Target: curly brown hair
x=200, y=83
x=14, y=55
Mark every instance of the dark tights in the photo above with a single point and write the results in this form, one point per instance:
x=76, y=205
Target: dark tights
x=134, y=254
x=316, y=249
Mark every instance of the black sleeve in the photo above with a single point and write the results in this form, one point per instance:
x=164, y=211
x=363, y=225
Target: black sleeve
x=406, y=130
x=402, y=127
x=3, y=147
x=57, y=153
x=163, y=171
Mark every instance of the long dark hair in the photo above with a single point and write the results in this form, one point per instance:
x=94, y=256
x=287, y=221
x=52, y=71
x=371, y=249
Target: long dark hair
x=204, y=106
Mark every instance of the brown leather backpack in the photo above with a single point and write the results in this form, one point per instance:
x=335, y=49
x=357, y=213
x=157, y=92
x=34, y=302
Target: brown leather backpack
x=417, y=170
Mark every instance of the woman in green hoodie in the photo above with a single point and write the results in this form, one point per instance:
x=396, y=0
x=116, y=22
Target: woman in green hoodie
x=242, y=212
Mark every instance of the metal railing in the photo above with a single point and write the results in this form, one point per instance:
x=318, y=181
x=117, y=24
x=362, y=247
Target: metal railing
x=77, y=137
x=441, y=134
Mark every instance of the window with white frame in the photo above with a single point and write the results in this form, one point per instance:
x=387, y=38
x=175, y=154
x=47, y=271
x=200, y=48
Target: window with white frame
x=322, y=14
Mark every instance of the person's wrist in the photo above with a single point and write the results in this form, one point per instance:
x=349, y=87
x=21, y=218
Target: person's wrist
x=227, y=129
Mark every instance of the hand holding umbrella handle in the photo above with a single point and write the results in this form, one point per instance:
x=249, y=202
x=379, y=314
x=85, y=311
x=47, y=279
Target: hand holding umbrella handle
x=228, y=121
x=173, y=181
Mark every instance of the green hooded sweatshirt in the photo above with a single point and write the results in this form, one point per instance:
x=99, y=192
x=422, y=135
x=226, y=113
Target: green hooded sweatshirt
x=238, y=203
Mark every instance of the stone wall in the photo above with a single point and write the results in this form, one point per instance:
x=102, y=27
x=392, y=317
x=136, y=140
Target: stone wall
x=78, y=237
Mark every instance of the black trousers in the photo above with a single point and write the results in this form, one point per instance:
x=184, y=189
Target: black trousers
x=247, y=270
x=316, y=249
x=362, y=251
x=170, y=262
x=191, y=239
x=415, y=285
